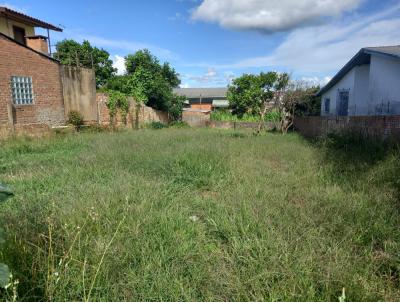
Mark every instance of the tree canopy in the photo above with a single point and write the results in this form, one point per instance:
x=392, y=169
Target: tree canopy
x=70, y=52
x=149, y=82
x=249, y=93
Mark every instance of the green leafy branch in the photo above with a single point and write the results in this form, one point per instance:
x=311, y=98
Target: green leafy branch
x=118, y=101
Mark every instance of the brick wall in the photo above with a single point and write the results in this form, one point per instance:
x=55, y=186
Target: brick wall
x=138, y=114
x=369, y=126
x=201, y=106
x=48, y=107
x=38, y=43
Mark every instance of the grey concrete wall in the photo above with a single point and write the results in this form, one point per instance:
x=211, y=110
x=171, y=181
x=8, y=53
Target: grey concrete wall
x=79, y=90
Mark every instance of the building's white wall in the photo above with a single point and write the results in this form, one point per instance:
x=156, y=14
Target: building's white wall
x=361, y=91
x=347, y=82
x=384, y=88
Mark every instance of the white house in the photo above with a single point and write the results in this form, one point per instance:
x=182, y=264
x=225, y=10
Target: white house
x=367, y=85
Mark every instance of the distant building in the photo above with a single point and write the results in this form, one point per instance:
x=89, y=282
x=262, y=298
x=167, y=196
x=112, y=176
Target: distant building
x=205, y=99
x=367, y=85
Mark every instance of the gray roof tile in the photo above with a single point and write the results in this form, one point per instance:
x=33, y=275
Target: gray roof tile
x=203, y=92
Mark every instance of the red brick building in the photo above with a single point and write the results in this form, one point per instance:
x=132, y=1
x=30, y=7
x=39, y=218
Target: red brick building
x=31, y=91
x=30, y=86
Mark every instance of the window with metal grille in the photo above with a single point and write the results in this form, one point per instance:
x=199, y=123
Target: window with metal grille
x=22, y=91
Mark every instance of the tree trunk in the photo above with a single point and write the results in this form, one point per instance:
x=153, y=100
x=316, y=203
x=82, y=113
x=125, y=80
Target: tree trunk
x=261, y=122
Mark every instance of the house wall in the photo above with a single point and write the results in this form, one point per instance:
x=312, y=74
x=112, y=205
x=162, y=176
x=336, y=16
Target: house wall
x=6, y=27
x=347, y=82
x=48, y=106
x=361, y=92
x=384, y=90
x=79, y=91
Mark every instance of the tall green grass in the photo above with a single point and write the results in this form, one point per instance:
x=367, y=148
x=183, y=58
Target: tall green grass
x=201, y=215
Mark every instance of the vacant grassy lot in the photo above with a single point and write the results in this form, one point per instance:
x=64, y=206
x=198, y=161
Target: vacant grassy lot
x=201, y=215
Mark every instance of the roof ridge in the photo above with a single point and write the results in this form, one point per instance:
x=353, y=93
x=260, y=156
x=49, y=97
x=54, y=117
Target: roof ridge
x=382, y=46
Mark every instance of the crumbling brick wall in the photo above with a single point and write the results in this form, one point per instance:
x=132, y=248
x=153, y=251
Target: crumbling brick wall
x=138, y=114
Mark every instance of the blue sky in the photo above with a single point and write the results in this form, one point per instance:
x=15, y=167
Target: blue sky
x=211, y=41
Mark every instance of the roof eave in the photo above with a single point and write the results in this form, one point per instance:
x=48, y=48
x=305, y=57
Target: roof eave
x=342, y=72
x=19, y=17
x=351, y=64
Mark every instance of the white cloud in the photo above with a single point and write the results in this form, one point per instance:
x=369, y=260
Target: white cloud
x=270, y=15
x=315, y=81
x=326, y=48
x=185, y=85
x=211, y=73
x=119, y=64
x=211, y=78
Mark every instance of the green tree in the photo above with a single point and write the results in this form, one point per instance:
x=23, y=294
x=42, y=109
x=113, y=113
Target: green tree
x=256, y=93
x=145, y=60
x=149, y=82
x=311, y=105
x=175, y=107
x=70, y=52
x=297, y=97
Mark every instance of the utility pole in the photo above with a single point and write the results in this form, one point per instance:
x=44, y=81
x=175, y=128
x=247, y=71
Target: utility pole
x=48, y=40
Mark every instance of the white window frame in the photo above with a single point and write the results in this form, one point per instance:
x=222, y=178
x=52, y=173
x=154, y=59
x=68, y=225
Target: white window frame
x=22, y=90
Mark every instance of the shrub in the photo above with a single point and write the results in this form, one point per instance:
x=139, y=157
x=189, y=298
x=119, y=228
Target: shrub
x=273, y=116
x=157, y=125
x=117, y=101
x=75, y=119
x=179, y=125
